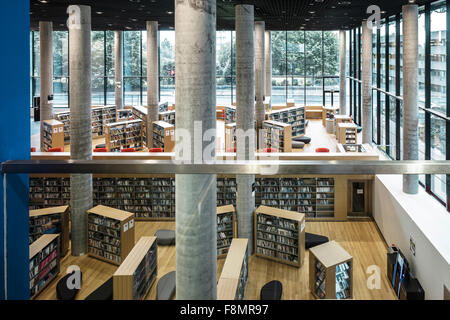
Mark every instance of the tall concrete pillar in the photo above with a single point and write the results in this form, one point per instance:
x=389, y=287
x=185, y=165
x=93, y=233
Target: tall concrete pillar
x=46, y=70
x=268, y=50
x=366, y=83
x=152, y=78
x=118, y=67
x=410, y=108
x=260, y=73
x=245, y=124
x=342, y=80
x=195, y=88
x=80, y=121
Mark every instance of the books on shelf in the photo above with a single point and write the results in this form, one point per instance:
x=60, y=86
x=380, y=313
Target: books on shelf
x=234, y=276
x=168, y=116
x=280, y=235
x=230, y=136
x=347, y=133
x=54, y=220
x=124, y=115
x=294, y=116
x=226, y=229
x=44, y=262
x=52, y=135
x=126, y=134
x=278, y=135
x=163, y=136
x=333, y=272
x=135, y=276
x=230, y=114
x=110, y=233
x=140, y=113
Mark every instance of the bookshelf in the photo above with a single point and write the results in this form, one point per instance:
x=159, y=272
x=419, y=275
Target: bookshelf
x=127, y=134
x=140, y=113
x=226, y=229
x=327, y=111
x=331, y=272
x=109, y=115
x=278, y=135
x=348, y=133
x=163, y=106
x=52, y=135
x=168, y=116
x=340, y=119
x=230, y=114
x=48, y=192
x=295, y=116
x=44, y=263
x=137, y=273
x=226, y=191
x=64, y=117
x=51, y=221
x=124, y=115
x=280, y=235
x=110, y=234
x=230, y=136
x=233, y=279
x=163, y=136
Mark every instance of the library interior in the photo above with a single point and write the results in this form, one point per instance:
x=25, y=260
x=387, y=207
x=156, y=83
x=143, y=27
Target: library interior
x=225, y=150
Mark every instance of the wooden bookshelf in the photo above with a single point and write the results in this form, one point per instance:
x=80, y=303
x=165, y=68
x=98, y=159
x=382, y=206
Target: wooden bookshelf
x=110, y=234
x=64, y=117
x=233, y=279
x=51, y=220
x=163, y=136
x=278, y=135
x=295, y=116
x=226, y=229
x=348, y=133
x=127, y=134
x=226, y=191
x=313, y=112
x=109, y=115
x=230, y=114
x=44, y=263
x=140, y=113
x=280, y=235
x=168, y=116
x=331, y=272
x=230, y=136
x=327, y=111
x=137, y=273
x=52, y=135
x=290, y=103
x=340, y=119
x=97, y=122
x=124, y=115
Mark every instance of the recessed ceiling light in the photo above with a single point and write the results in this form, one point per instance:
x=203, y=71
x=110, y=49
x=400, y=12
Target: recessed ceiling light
x=169, y=12
x=99, y=12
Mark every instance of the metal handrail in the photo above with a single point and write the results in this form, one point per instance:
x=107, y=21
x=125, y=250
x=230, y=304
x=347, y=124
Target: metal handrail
x=260, y=167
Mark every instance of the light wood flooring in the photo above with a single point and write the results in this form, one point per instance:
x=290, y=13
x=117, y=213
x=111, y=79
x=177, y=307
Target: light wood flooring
x=360, y=238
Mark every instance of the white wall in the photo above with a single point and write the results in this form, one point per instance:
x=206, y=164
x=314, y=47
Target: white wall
x=400, y=216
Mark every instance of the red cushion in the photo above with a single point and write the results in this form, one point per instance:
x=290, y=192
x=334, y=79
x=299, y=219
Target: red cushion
x=270, y=150
x=156, y=150
x=128, y=150
x=231, y=150
x=55, y=150
x=101, y=150
x=322, y=150
x=33, y=149
x=223, y=114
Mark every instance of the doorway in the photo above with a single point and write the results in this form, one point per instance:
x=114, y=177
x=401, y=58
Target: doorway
x=359, y=199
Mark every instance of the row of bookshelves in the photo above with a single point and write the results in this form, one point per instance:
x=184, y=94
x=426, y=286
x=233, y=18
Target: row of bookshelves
x=294, y=116
x=125, y=134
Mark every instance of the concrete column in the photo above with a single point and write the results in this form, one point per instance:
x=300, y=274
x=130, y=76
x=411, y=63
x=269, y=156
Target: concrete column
x=118, y=67
x=245, y=125
x=46, y=69
x=366, y=83
x=195, y=87
x=410, y=108
x=260, y=82
x=80, y=121
x=268, y=50
x=342, y=80
x=152, y=78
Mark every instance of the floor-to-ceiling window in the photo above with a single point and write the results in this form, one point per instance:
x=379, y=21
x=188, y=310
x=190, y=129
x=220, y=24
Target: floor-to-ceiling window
x=132, y=67
x=224, y=68
x=167, y=66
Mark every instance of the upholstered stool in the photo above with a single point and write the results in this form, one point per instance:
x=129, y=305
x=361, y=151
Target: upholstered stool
x=297, y=145
x=272, y=291
x=314, y=240
x=104, y=292
x=304, y=139
x=63, y=292
x=322, y=150
x=358, y=129
x=165, y=290
x=100, y=146
x=165, y=237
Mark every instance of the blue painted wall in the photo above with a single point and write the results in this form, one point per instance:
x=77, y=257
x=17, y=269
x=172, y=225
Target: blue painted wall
x=15, y=142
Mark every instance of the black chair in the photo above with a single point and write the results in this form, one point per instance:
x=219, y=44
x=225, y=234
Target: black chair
x=272, y=291
x=314, y=240
x=297, y=145
x=358, y=129
x=104, y=292
x=304, y=139
x=165, y=290
x=100, y=146
x=62, y=290
x=165, y=237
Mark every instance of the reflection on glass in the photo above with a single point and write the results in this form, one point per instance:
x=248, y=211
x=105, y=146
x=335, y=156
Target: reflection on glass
x=438, y=58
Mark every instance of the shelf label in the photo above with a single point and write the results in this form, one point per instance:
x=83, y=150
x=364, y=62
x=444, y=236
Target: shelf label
x=302, y=226
x=61, y=129
x=55, y=130
x=131, y=224
x=125, y=227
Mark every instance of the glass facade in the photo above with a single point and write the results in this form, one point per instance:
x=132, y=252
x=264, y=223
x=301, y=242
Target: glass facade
x=433, y=101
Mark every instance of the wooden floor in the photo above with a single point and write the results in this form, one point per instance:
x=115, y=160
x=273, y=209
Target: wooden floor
x=360, y=238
